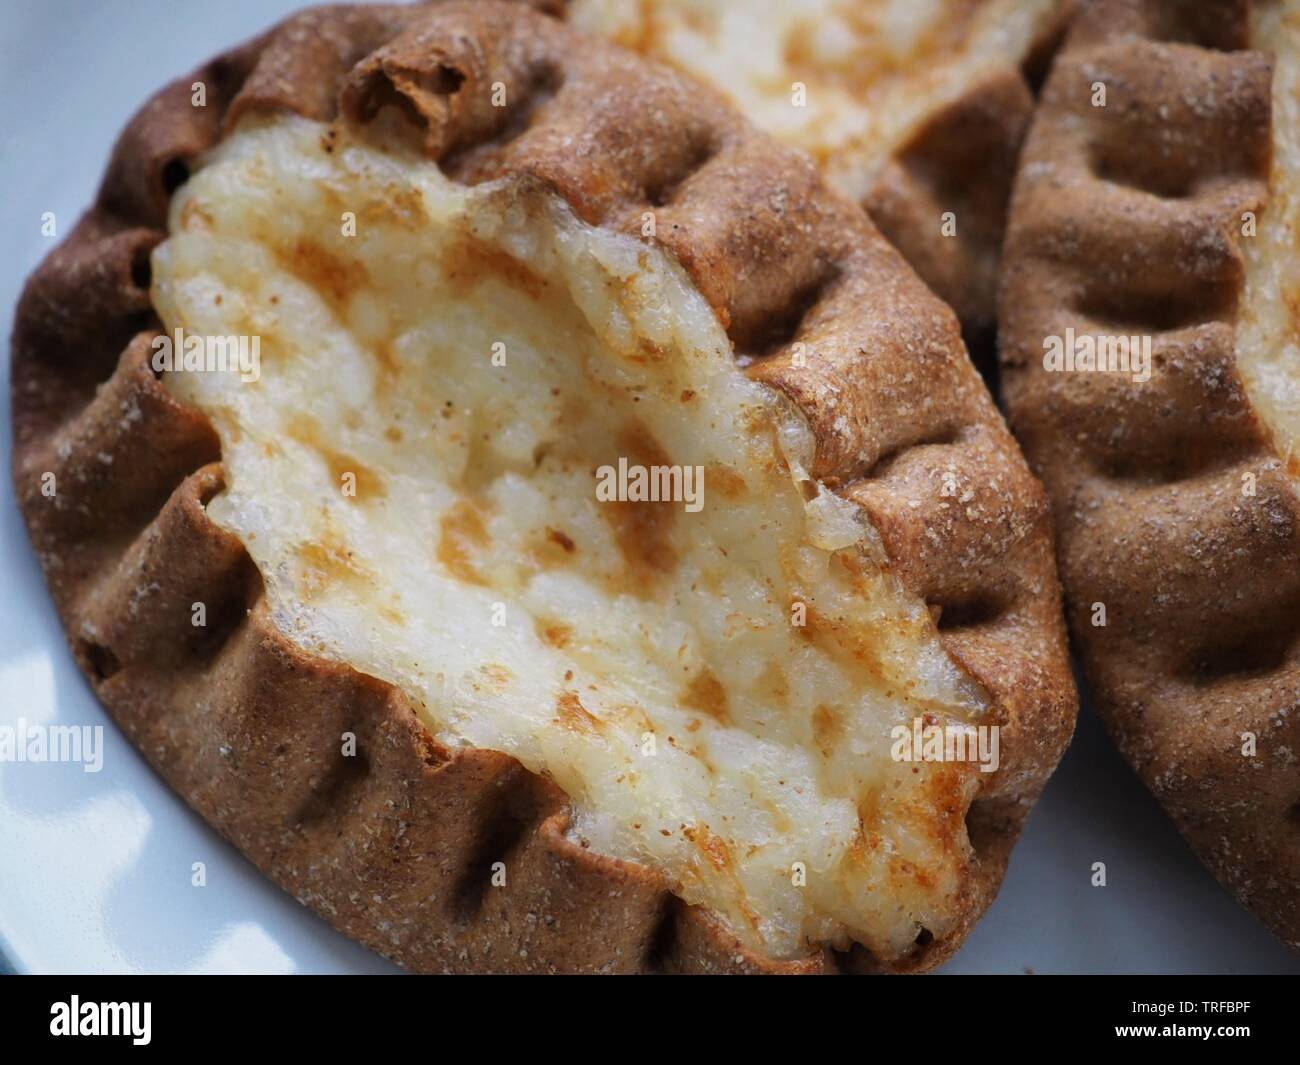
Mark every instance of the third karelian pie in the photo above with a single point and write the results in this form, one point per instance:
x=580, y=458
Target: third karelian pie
x=914, y=108
x=363, y=604
x=1166, y=212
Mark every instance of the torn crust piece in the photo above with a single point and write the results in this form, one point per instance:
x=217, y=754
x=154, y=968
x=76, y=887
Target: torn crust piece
x=1157, y=205
x=470, y=685
x=913, y=108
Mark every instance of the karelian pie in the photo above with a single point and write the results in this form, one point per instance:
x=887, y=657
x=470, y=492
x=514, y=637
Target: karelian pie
x=914, y=108
x=1158, y=204
x=363, y=603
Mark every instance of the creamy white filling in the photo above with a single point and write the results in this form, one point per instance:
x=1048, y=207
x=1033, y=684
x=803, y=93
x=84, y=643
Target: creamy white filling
x=1268, y=328
x=464, y=364
x=872, y=71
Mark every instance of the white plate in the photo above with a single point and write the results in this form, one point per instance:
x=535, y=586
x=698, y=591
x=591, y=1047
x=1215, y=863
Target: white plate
x=95, y=868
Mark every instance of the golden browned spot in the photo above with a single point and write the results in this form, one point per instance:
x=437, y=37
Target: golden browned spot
x=1291, y=300
x=331, y=562
x=949, y=787
x=250, y=323
x=551, y=548
x=336, y=198
x=902, y=869
x=468, y=262
x=643, y=36
x=499, y=676
x=642, y=530
x=570, y=713
x=635, y=715
x=401, y=203
x=194, y=216
x=557, y=537
x=462, y=533
x=555, y=633
x=713, y=847
x=857, y=646
x=647, y=352
x=706, y=694
x=398, y=202
x=765, y=444
x=306, y=431
x=369, y=483
x=735, y=624
x=333, y=277
x=386, y=358
x=867, y=838
x=393, y=433
x=859, y=569
x=828, y=729
x=726, y=480
x=775, y=683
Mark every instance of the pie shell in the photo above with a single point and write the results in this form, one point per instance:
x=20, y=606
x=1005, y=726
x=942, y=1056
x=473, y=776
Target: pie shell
x=1127, y=219
x=394, y=847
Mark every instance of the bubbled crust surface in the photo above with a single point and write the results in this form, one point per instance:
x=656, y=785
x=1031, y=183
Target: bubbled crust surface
x=1126, y=219
x=394, y=847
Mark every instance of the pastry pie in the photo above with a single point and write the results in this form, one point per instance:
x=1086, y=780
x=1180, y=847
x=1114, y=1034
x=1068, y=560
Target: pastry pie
x=914, y=108
x=1151, y=361
x=528, y=513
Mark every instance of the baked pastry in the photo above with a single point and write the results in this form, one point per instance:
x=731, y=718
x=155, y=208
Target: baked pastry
x=914, y=110
x=445, y=691
x=1163, y=214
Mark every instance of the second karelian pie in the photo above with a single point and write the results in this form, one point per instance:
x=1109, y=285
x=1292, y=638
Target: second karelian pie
x=913, y=108
x=1156, y=224
x=475, y=713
